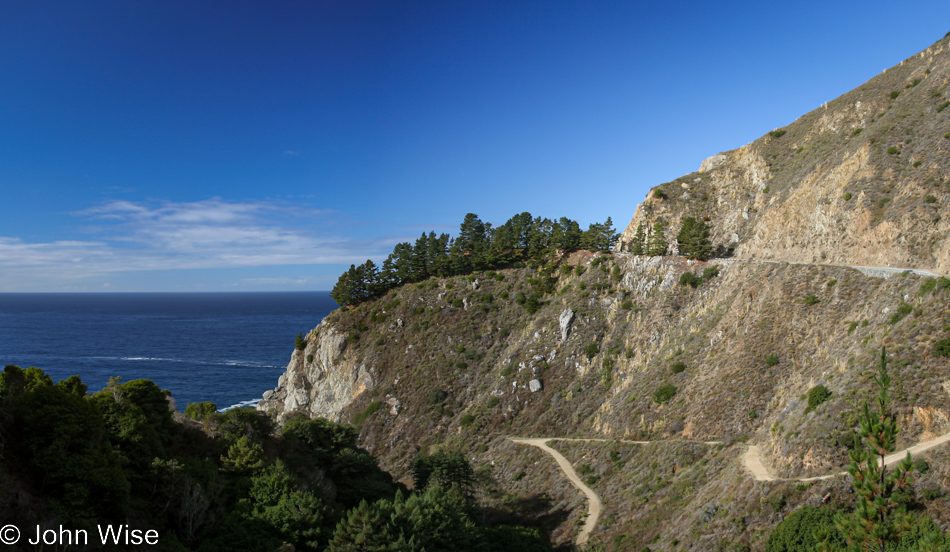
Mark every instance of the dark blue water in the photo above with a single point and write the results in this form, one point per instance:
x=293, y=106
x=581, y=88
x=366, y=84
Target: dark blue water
x=227, y=348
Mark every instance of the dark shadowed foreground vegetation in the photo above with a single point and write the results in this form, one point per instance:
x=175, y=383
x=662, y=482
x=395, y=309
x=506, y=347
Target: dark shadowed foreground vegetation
x=224, y=481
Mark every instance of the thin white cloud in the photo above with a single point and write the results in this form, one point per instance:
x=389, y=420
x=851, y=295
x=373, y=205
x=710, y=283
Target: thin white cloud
x=209, y=234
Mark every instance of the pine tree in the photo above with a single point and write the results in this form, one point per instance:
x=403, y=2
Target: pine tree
x=639, y=243
x=657, y=244
x=879, y=518
x=693, y=239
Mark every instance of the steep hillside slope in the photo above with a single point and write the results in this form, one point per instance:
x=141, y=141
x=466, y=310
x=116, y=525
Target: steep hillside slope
x=861, y=180
x=450, y=363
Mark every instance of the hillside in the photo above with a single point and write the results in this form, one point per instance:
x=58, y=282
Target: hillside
x=623, y=347
x=861, y=180
x=417, y=372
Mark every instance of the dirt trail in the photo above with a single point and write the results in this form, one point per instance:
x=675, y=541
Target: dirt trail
x=595, y=505
x=752, y=460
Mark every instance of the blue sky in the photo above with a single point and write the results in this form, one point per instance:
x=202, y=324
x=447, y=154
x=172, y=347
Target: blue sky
x=222, y=146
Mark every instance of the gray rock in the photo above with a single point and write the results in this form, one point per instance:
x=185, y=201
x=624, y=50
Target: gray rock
x=535, y=385
x=268, y=394
x=475, y=284
x=566, y=319
x=399, y=322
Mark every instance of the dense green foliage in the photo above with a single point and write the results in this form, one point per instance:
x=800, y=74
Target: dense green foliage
x=664, y=394
x=651, y=241
x=942, y=347
x=200, y=410
x=228, y=483
x=799, y=531
x=693, y=239
x=478, y=246
x=816, y=396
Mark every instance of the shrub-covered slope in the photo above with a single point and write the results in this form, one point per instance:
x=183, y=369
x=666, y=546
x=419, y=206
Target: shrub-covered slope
x=449, y=362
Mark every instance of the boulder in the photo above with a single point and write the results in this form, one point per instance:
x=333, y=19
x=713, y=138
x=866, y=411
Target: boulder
x=535, y=385
x=566, y=319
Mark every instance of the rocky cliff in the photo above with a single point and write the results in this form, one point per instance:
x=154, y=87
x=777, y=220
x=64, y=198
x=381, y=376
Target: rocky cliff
x=320, y=381
x=625, y=348
x=861, y=180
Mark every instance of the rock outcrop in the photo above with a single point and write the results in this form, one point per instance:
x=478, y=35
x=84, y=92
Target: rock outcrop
x=322, y=386
x=862, y=180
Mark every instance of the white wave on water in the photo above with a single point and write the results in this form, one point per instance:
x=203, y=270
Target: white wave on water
x=238, y=363
x=241, y=404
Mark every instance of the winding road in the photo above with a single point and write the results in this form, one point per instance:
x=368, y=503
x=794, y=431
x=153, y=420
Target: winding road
x=752, y=460
x=595, y=505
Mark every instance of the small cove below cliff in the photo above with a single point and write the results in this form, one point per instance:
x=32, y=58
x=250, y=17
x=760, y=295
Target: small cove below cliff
x=226, y=348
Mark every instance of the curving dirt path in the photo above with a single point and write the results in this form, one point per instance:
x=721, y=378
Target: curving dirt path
x=595, y=505
x=752, y=460
x=594, y=501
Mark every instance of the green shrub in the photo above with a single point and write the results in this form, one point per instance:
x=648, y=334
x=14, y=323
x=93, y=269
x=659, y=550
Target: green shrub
x=200, y=410
x=710, y=272
x=921, y=465
x=628, y=305
x=796, y=533
x=533, y=303
x=933, y=493
x=437, y=396
x=690, y=279
x=943, y=106
x=851, y=327
x=918, y=163
x=832, y=282
x=678, y=367
x=309, y=358
x=816, y=396
x=913, y=84
x=492, y=402
x=658, y=193
x=893, y=150
x=371, y=409
x=947, y=136
x=847, y=196
x=457, y=303
x=461, y=365
x=942, y=348
x=811, y=299
x=902, y=310
x=771, y=359
x=519, y=475
x=930, y=199
x=521, y=299
x=300, y=343
x=857, y=131
x=778, y=133
x=467, y=420
x=895, y=94
x=591, y=350
x=664, y=394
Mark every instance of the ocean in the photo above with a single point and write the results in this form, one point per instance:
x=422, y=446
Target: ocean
x=227, y=348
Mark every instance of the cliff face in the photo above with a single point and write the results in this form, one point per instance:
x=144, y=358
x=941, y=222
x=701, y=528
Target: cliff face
x=319, y=381
x=862, y=180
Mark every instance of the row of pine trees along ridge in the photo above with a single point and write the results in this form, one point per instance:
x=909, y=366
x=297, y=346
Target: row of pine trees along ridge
x=480, y=246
